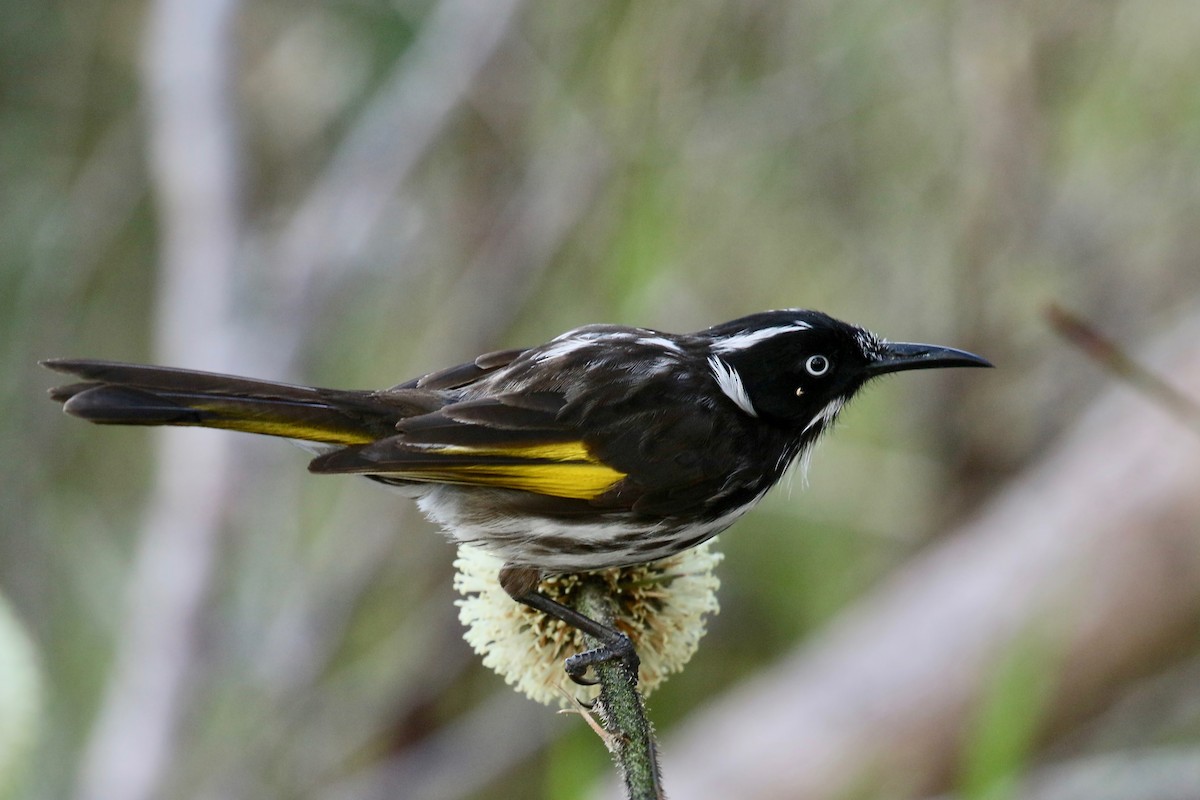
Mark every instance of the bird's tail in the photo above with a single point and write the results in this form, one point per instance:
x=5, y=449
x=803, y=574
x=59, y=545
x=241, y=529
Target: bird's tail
x=132, y=394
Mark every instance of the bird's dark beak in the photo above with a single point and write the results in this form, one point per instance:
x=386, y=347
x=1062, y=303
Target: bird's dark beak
x=900, y=356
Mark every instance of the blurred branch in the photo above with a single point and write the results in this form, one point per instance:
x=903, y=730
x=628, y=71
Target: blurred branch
x=21, y=699
x=374, y=160
x=560, y=183
x=301, y=641
x=186, y=74
x=331, y=224
x=495, y=734
x=388, y=140
x=338, y=217
x=557, y=193
x=1108, y=354
x=316, y=729
x=1095, y=545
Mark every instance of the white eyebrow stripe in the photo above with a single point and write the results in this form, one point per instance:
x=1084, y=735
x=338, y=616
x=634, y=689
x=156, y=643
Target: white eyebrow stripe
x=730, y=383
x=741, y=341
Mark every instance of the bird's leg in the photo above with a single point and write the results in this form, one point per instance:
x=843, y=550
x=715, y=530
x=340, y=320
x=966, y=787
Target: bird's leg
x=614, y=645
x=521, y=585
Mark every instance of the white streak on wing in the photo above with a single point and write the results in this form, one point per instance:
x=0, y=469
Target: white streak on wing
x=741, y=341
x=660, y=341
x=582, y=338
x=731, y=384
x=561, y=347
x=654, y=366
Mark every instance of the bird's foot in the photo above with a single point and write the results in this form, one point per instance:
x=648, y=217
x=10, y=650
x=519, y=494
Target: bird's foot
x=617, y=648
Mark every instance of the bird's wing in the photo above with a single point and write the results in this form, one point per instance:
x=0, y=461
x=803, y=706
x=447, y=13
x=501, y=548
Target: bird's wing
x=463, y=374
x=510, y=441
x=658, y=462
x=677, y=459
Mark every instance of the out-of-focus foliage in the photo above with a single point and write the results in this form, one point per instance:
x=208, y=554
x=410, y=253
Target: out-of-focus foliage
x=20, y=701
x=934, y=170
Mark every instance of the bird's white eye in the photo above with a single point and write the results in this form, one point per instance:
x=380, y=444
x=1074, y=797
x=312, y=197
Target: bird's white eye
x=817, y=365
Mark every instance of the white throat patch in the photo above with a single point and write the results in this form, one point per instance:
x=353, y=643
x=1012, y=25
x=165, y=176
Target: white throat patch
x=731, y=384
x=826, y=415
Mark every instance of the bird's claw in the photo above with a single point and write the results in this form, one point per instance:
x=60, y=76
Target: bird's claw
x=619, y=649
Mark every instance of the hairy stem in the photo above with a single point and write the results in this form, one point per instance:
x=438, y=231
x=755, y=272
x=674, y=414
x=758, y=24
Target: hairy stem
x=621, y=708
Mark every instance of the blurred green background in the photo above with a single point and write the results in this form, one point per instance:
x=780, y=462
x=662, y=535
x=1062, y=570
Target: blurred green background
x=416, y=182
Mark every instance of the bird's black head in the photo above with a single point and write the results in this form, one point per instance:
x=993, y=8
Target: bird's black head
x=797, y=368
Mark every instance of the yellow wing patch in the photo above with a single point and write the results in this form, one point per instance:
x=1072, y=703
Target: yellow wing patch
x=291, y=430
x=561, y=469
x=578, y=481
x=555, y=451
x=237, y=419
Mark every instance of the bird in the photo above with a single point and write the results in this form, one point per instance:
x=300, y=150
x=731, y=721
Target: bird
x=607, y=446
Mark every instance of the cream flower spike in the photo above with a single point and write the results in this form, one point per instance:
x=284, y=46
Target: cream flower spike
x=663, y=607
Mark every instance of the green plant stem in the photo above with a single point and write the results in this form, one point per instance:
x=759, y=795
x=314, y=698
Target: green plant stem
x=621, y=708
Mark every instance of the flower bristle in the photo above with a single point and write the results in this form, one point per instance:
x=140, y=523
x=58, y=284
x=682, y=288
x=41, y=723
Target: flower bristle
x=662, y=606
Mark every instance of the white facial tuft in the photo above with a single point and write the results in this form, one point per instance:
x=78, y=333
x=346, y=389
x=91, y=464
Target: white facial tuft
x=731, y=384
x=870, y=344
x=826, y=415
